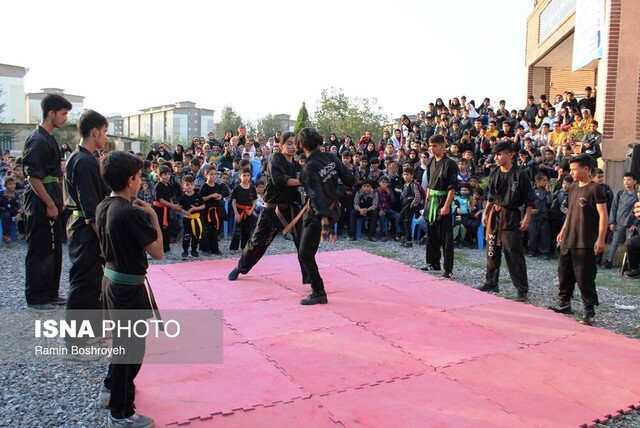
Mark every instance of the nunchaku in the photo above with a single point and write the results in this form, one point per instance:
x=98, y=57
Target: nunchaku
x=154, y=304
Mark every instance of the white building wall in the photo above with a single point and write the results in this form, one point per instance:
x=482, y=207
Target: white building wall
x=13, y=99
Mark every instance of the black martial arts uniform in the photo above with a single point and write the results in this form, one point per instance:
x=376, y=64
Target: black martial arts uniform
x=43, y=263
x=508, y=192
x=442, y=176
x=320, y=179
x=84, y=189
x=281, y=204
x=162, y=191
x=192, y=224
x=213, y=216
x=124, y=231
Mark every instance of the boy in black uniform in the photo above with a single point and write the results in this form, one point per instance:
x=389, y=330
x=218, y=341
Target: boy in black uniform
x=126, y=231
x=163, y=195
x=281, y=197
x=84, y=189
x=192, y=204
x=320, y=179
x=346, y=193
x=43, y=208
x=213, y=194
x=243, y=202
x=582, y=238
x=539, y=229
x=509, y=189
x=442, y=176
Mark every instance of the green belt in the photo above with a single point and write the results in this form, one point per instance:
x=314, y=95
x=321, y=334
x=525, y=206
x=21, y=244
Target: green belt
x=123, y=278
x=79, y=213
x=49, y=179
x=433, y=205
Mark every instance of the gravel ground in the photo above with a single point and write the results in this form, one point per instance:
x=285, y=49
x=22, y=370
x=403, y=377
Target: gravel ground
x=64, y=394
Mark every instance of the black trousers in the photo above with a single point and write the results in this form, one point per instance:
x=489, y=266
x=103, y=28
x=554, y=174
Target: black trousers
x=124, y=368
x=633, y=251
x=210, y=230
x=578, y=265
x=43, y=263
x=513, y=247
x=189, y=238
x=440, y=242
x=85, y=283
x=242, y=234
x=406, y=218
x=264, y=233
x=373, y=222
x=166, y=231
x=309, y=243
x=539, y=236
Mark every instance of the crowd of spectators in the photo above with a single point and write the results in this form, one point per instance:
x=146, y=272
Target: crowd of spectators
x=544, y=134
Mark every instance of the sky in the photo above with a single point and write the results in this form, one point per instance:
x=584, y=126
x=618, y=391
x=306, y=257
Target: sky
x=265, y=57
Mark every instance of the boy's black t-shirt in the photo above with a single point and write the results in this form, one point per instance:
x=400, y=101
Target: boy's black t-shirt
x=207, y=190
x=583, y=218
x=162, y=191
x=124, y=231
x=187, y=201
x=244, y=196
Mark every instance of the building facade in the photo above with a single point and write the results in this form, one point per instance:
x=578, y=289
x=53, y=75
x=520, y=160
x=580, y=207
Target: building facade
x=171, y=123
x=572, y=44
x=12, y=93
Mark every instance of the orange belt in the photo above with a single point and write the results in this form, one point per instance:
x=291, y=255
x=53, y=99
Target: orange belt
x=215, y=213
x=165, y=212
x=245, y=210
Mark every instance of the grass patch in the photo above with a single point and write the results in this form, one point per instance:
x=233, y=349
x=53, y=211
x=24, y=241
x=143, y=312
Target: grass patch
x=394, y=255
x=621, y=284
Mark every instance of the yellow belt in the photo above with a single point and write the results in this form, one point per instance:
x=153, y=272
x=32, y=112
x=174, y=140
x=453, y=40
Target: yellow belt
x=195, y=220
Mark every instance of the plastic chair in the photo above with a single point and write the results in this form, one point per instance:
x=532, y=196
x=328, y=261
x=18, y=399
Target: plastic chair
x=230, y=225
x=359, y=224
x=255, y=169
x=13, y=233
x=481, y=237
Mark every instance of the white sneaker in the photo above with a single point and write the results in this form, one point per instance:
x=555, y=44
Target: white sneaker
x=133, y=421
x=104, y=396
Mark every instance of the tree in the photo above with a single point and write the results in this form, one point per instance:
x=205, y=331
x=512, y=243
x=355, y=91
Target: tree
x=303, y=119
x=229, y=120
x=268, y=124
x=336, y=112
x=2, y=105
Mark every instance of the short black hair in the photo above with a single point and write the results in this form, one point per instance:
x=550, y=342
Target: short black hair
x=245, y=171
x=117, y=167
x=188, y=179
x=90, y=120
x=408, y=170
x=541, y=176
x=630, y=175
x=583, y=160
x=164, y=169
x=54, y=102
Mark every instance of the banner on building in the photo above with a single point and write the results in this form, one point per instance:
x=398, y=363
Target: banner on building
x=589, y=32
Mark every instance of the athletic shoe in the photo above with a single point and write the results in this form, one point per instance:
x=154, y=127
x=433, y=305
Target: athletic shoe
x=522, y=297
x=589, y=317
x=562, y=308
x=217, y=253
x=104, y=396
x=607, y=265
x=489, y=288
x=59, y=301
x=314, y=299
x=233, y=275
x=185, y=256
x=447, y=275
x=633, y=273
x=134, y=421
x=195, y=254
x=429, y=268
x=408, y=244
x=41, y=309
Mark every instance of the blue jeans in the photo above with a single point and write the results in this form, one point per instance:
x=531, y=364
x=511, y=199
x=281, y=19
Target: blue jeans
x=620, y=235
x=389, y=215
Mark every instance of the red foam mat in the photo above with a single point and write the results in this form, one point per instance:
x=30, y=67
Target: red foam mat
x=393, y=348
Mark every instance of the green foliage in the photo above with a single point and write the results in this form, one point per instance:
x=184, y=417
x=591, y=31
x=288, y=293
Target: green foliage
x=2, y=106
x=268, y=124
x=229, y=120
x=336, y=112
x=303, y=119
x=576, y=133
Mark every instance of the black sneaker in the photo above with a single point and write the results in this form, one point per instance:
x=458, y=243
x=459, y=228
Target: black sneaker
x=195, y=254
x=607, y=265
x=633, y=273
x=217, y=253
x=489, y=288
x=314, y=299
x=59, y=301
x=429, y=268
x=447, y=275
x=408, y=244
x=233, y=275
x=372, y=239
x=522, y=298
x=562, y=308
x=185, y=256
x=589, y=317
